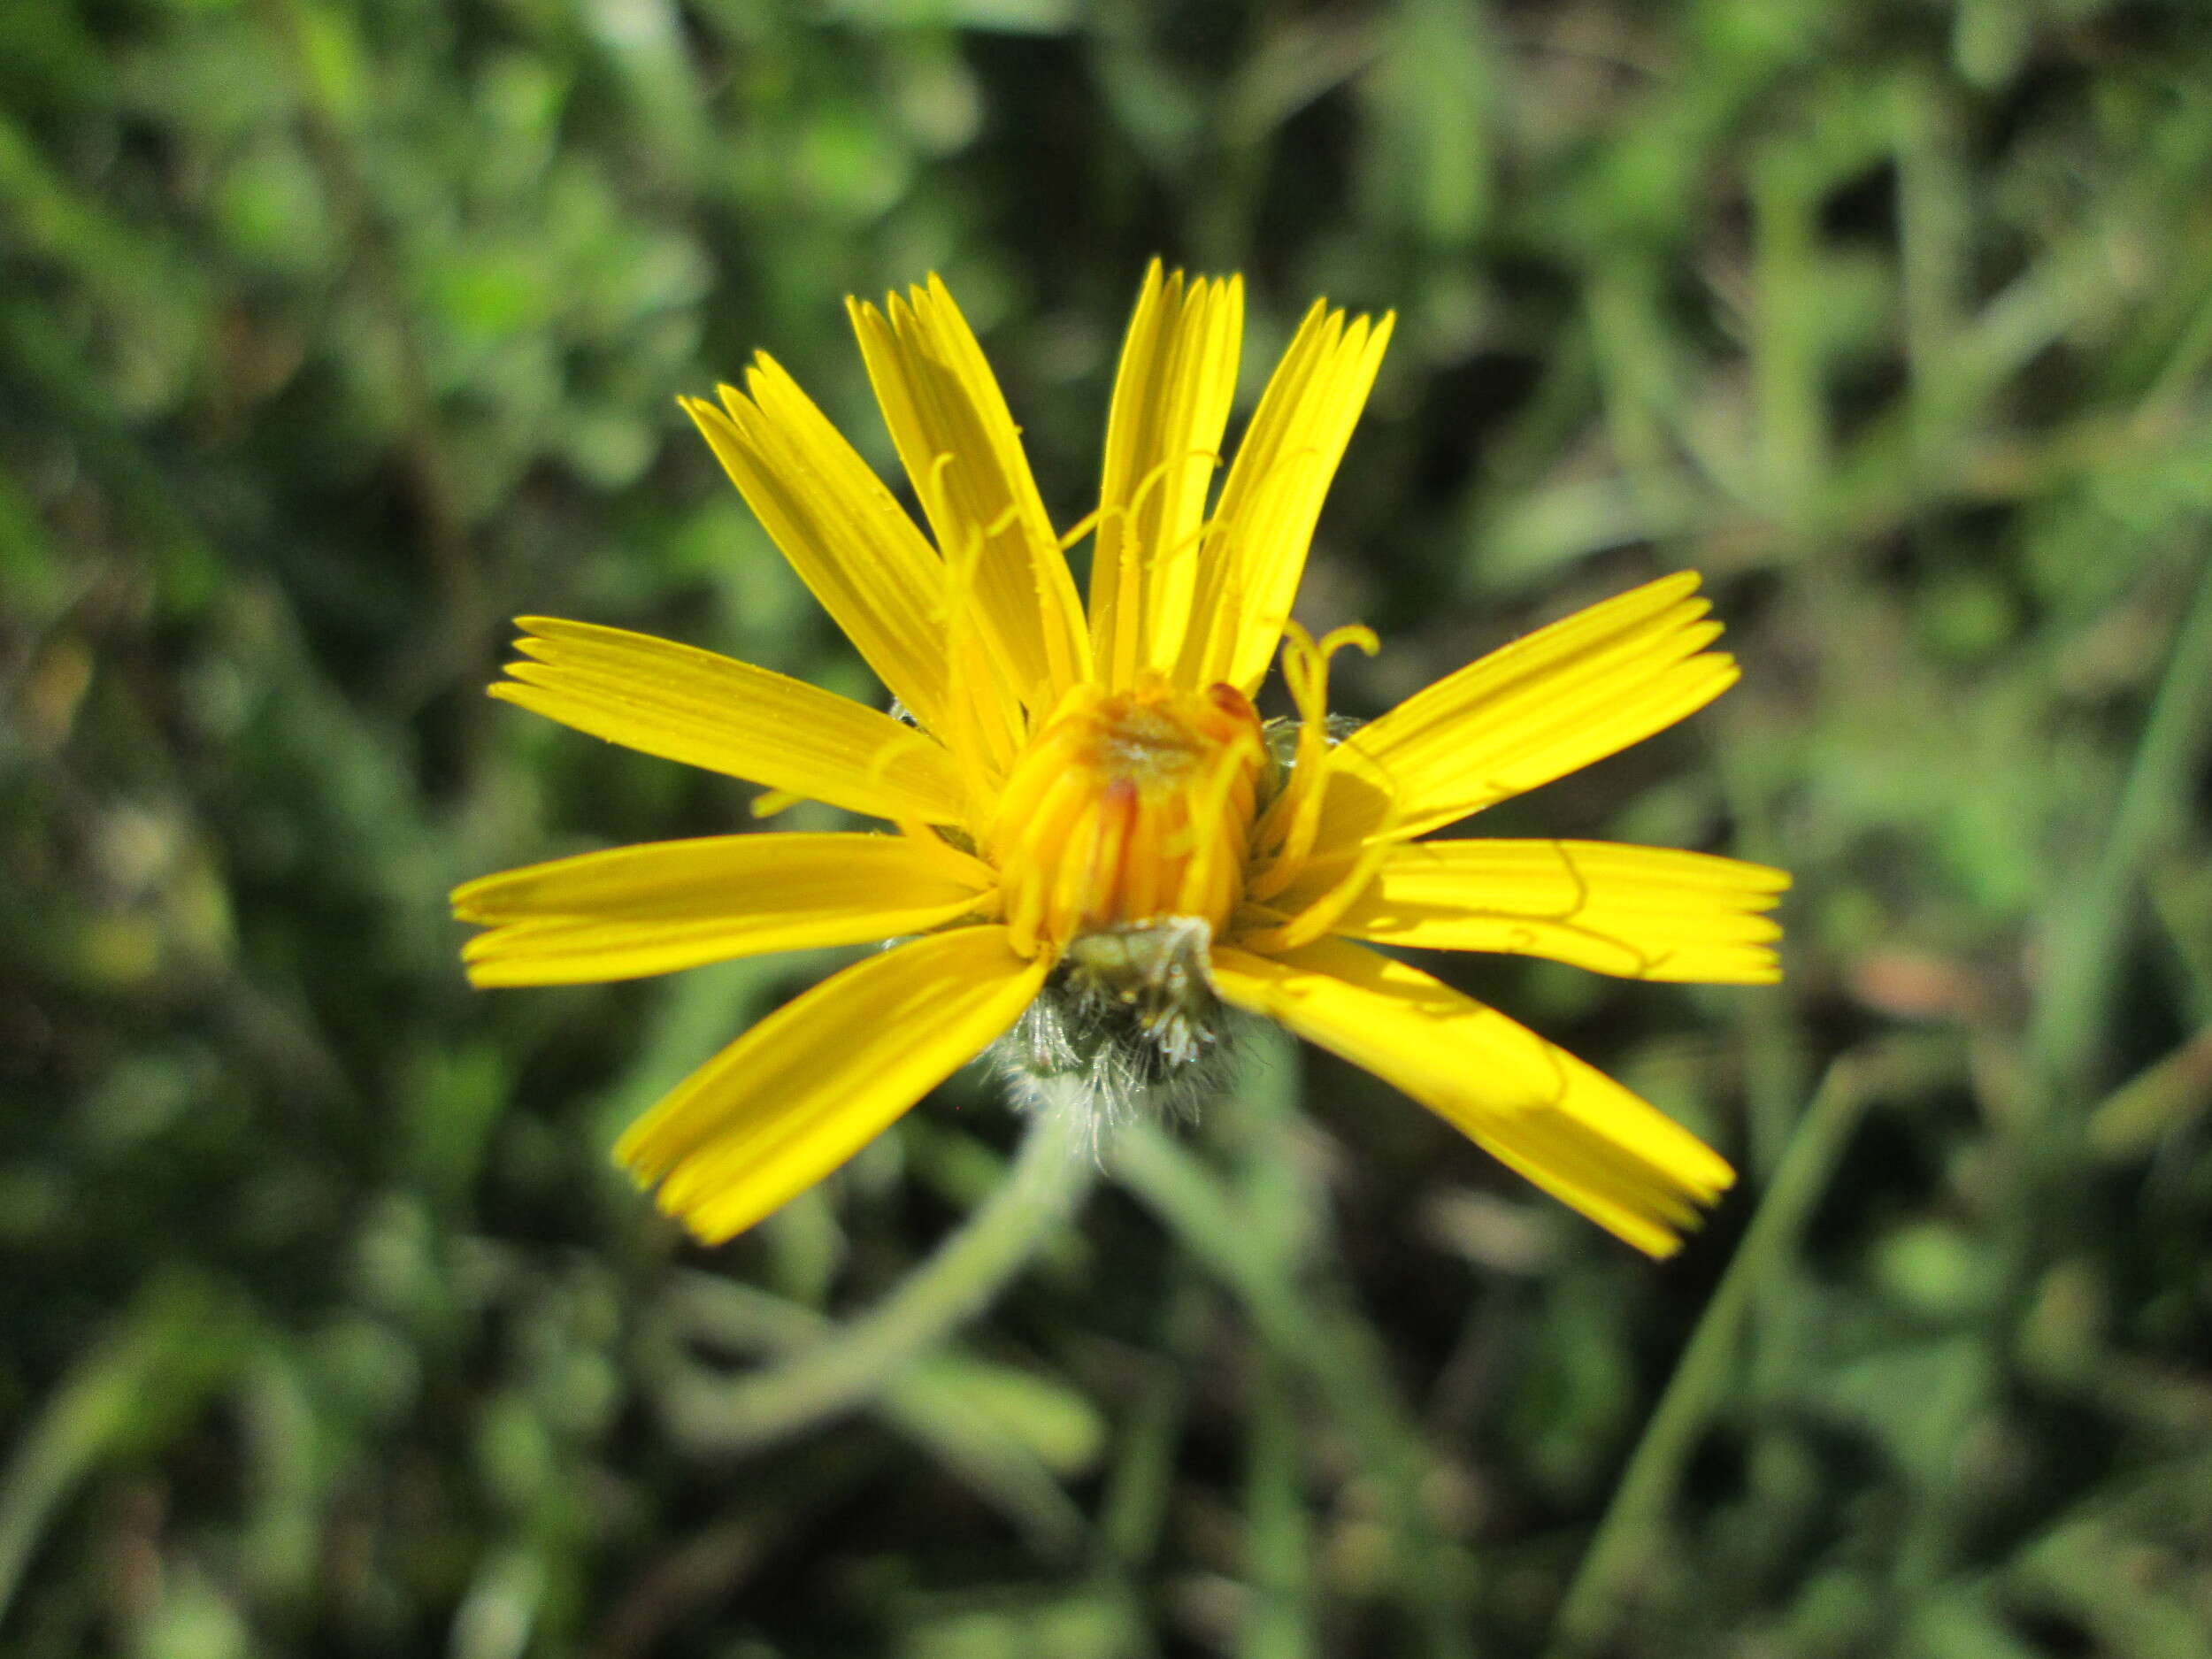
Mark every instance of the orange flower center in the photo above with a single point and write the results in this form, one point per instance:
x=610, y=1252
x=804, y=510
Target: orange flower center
x=1129, y=807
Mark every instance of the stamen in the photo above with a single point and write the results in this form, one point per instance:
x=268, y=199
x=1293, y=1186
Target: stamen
x=1080, y=528
x=1129, y=807
x=982, y=744
x=1306, y=674
x=1227, y=607
x=1133, y=561
x=768, y=803
x=1317, y=918
x=1207, y=879
x=956, y=862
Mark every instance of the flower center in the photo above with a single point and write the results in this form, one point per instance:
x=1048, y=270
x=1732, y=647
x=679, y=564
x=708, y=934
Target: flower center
x=1129, y=807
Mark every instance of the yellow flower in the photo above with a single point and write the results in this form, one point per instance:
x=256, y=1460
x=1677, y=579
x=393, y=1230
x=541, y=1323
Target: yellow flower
x=1099, y=847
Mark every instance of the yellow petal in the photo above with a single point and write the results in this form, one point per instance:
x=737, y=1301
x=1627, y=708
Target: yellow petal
x=1641, y=912
x=1178, y=372
x=653, y=909
x=1566, y=696
x=845, y=534
x=707, y=710
x=1569, y=1129
x=825, y=1074
x=1250, y=568
x=964, y=454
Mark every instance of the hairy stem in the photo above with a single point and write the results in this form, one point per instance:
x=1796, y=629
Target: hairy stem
x=854, y=1363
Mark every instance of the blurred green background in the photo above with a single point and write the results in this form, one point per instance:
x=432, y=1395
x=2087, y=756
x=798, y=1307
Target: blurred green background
x=332, y=335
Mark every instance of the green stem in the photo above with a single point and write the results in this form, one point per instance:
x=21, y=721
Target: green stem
x=1336, y=1352
x=1278, y=1621
x=2086, y=940
x=181, y=1341
x=1625, y=1538
x=858, y=1361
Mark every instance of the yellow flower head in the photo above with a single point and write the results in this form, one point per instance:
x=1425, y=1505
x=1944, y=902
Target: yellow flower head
x=1099, y=847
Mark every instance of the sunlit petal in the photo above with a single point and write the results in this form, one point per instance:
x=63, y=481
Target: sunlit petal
x=1178, y=372
x=845, y=534
x=1544, y=706
x=1568, y=1128
x=1641, y=912
x=808, y=1086
x=1249, y=568
x=634, y=910
x=964, y=454
x=693, y=706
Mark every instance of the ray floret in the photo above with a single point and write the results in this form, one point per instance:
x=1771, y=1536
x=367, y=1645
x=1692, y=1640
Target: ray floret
x=1087, y=842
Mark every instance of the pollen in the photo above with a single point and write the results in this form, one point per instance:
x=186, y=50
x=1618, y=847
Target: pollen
x=1129, y=807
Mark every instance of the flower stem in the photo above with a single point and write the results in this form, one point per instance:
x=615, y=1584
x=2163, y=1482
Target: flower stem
x=858, y=1361
x=1316, y=1334
x=1622, y=1549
